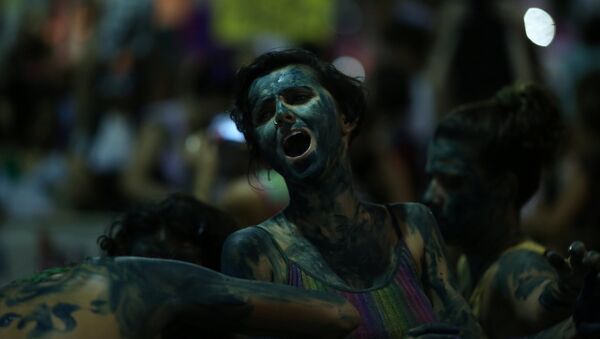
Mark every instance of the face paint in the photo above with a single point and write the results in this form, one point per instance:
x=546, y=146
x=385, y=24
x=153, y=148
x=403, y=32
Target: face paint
x=297, y=126
x=457, y=193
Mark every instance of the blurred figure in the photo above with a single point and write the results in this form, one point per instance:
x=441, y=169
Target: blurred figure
x=480, y=47
x=104, y=136
x=174, y=150
x=384, y=161
x=33, y=166
x=486, y=161
x=179, y=227
x=570, y=208
x=576, y=54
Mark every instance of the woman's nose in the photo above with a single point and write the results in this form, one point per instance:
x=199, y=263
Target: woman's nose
x=431, y=196
x=283, y=115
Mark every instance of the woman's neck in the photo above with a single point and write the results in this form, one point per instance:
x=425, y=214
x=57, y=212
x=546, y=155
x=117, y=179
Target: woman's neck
x=501, y=234
x=326, y=205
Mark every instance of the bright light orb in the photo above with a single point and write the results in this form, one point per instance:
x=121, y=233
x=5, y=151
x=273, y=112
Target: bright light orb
x=350, y=66
x=539, y=26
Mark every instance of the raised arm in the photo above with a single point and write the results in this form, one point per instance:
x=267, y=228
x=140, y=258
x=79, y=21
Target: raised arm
x=447, y=302
x=143, y=298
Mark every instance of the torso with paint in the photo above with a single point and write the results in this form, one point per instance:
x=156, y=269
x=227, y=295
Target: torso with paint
x=393, y=304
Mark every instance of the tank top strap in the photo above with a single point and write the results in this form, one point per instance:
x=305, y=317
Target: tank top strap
x=272, y=240
x=405, y=258
x=278, y=247
x=395, y=223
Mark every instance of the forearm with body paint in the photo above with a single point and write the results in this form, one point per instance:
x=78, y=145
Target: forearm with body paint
x=131, y=297
x=249, y=307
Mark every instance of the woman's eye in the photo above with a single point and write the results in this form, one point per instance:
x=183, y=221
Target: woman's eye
x=297, y=98
x=451, y=181
x=264, y=113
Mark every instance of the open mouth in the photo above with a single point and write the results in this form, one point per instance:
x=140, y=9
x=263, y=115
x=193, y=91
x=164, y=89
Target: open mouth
x=297, y=143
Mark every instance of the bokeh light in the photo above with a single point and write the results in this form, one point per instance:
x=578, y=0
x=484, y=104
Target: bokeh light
x=350, y=66
x=539, y=26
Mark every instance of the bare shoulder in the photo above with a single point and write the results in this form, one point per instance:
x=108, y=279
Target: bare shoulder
x=250, y=253
x=416, y=224
x=414, y=219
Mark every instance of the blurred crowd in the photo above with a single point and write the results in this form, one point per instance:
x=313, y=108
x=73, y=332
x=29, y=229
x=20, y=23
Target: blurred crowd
x=108, y=103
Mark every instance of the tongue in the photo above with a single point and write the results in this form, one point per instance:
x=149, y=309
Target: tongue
x=296, y=144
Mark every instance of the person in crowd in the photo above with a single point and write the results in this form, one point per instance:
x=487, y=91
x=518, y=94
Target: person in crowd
x=174, y=150
x=569, y=208
x=485, y=162
x=299, y=115
x=179, y=227
x=130, y=297
x=170, y=295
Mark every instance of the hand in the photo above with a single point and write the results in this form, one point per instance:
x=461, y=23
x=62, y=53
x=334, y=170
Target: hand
x=571, y=271
x=580, y=274
x=434, y=331
x=587, y=307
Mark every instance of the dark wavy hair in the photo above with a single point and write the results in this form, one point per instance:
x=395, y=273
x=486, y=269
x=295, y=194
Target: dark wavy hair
x=519, y=131
x=183, y=216
x=348, y=92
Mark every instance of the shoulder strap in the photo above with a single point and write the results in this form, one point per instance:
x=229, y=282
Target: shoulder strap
x=528, y=245
x=273, y=241
x=395, y=223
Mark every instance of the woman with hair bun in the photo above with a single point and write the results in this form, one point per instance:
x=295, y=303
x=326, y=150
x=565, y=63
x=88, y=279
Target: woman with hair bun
x=485, y=162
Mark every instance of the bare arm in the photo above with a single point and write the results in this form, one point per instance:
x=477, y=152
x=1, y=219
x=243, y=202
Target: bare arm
x=141, y=298
x=447, y=302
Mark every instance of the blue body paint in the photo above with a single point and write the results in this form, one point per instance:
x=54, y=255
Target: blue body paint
x=8, y=318
x=64, y=312
x=293, y=94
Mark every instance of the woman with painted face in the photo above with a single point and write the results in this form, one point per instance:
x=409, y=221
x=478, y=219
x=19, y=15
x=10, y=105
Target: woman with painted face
x=485, y=162
x=298, y=115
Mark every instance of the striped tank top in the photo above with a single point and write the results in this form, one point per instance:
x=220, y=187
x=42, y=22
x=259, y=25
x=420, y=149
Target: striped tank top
x=386, y=311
